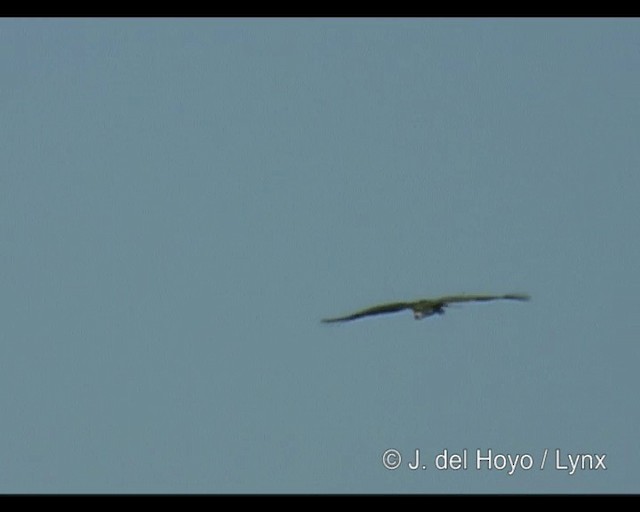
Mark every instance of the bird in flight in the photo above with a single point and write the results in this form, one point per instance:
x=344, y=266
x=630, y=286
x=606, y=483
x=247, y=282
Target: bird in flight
x=424, y=307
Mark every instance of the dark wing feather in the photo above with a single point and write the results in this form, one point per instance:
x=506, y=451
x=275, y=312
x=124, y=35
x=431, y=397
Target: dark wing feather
x=480, y=298
x=392, y=307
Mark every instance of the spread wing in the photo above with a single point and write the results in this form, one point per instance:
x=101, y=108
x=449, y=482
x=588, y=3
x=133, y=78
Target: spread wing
x=391, y=307
x=480, y=298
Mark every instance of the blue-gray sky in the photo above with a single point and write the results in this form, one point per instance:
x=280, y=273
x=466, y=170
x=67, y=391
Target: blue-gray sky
x=181, y=201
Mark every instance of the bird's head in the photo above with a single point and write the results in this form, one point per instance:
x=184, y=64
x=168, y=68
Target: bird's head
x=425, y=309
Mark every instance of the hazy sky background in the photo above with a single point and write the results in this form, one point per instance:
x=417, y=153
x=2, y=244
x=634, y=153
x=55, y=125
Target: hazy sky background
x=182, y=201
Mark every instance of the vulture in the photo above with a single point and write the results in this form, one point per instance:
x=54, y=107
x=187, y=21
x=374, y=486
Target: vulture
x=424, y=307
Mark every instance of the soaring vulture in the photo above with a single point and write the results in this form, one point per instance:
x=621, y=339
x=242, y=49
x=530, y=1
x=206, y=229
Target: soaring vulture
x=424, y=307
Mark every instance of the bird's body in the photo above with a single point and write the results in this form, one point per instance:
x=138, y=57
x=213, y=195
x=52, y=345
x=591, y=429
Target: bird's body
x=424, y=307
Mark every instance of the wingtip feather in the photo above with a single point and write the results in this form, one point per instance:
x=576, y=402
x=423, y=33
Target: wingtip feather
x=518, y=296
